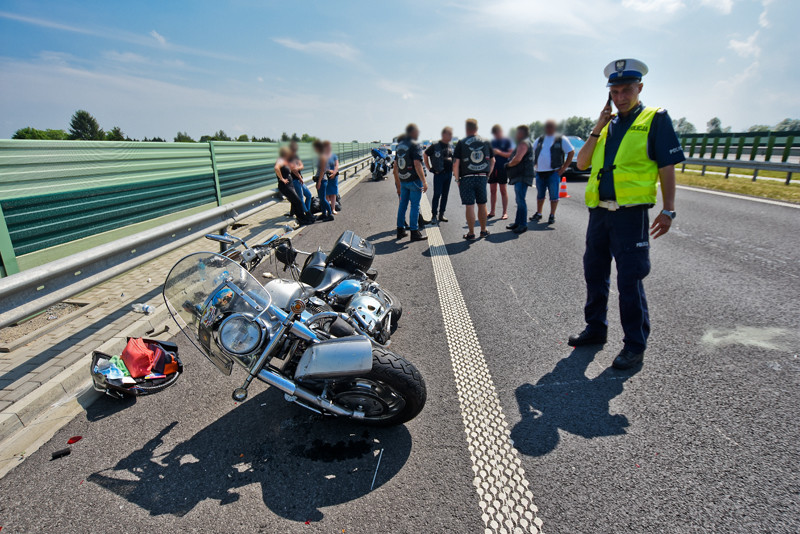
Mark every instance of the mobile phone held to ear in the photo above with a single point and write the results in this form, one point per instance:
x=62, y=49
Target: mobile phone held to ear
x=608, y=102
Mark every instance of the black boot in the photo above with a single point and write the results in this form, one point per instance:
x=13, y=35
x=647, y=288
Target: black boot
x=421, y=221
x=627, y=359
x=401, y=233
x=417, y=235
x=587, y=337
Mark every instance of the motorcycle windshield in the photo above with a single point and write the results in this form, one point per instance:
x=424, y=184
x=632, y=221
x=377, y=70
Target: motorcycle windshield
x=202, y=289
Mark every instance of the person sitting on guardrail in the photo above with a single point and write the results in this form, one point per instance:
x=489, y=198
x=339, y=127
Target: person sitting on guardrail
x=629, y=154
x=322, y=181
x=296, y=166
x=284, y=174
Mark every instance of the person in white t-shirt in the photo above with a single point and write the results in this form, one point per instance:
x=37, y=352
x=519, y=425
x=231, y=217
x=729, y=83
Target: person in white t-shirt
x=552, y=154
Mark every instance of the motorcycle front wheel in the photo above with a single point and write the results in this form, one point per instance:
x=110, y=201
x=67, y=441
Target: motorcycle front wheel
x=391, y=394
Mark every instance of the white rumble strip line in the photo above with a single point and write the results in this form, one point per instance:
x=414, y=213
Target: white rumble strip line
x=500, y=482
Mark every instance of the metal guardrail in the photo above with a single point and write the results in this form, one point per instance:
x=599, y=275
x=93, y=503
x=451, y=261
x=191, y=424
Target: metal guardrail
x=57, y=197
x=760, y=151
x=28, y=292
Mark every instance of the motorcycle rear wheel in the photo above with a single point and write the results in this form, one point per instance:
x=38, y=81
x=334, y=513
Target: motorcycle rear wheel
x=391, y=394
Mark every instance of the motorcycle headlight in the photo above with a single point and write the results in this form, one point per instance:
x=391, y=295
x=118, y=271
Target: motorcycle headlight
x=239, y=334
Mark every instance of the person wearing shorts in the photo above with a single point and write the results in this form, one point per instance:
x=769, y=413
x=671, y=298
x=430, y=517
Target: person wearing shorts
x=473, y=162
x=552, y=155
x=332, y=172
x=498, y=179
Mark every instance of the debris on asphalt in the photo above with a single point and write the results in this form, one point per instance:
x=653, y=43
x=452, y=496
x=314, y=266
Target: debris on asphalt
x=74, y=439
x=376, y=470
x=61, y=453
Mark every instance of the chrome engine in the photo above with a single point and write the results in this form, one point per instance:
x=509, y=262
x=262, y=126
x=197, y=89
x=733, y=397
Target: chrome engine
x=371, y=310
x=283, y=292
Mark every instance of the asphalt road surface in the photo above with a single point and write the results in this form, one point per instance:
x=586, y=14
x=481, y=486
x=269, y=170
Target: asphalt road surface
x=704, y=438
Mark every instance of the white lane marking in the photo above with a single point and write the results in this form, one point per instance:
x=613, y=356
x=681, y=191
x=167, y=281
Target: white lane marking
x=505, y=499
x=741, y=197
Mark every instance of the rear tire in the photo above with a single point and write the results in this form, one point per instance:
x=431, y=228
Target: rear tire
x=401, y=377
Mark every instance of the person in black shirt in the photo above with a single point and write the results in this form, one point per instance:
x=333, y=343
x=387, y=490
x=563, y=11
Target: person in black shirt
x=473, y=162
x=439, y=160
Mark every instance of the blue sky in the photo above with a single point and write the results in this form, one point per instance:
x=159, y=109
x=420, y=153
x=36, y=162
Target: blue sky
x=362, y=70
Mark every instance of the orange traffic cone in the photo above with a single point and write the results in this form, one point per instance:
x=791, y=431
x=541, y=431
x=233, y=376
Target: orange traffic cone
x=563, y=193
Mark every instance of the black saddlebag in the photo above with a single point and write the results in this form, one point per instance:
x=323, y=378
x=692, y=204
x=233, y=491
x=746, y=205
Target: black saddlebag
x=352, y=253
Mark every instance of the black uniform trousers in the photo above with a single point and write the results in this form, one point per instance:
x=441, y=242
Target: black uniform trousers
x=621, y=235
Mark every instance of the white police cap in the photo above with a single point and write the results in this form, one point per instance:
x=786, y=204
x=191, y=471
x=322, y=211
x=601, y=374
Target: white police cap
x=624, y=71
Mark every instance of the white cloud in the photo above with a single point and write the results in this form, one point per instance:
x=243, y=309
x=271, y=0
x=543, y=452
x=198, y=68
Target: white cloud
x=158, y=37
x=731, y=84
x=340, y=50
x=396, y=88
x=723, y=6
x=153, y=40
x=260, y=79
x=763, y=21
x=124, y=57
x=747, y=48
x=654, y=6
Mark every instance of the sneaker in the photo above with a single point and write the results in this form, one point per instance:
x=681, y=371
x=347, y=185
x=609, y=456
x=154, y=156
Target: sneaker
x=551, y=219
x=536, y=217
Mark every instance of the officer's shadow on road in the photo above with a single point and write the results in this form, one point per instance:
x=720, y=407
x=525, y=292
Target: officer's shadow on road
x=566, y=399
x=302, y=461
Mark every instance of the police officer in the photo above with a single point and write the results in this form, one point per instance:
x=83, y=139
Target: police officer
x=439, y=160
x=409, y=177
x=629, y=153
x=475, y=158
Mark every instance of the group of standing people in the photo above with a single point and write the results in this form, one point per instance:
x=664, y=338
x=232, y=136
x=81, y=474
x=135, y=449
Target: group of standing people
x=289, y=171
x=629, y=154
x=475, y=164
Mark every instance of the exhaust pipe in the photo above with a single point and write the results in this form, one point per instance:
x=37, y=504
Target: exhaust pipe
x=292, y=389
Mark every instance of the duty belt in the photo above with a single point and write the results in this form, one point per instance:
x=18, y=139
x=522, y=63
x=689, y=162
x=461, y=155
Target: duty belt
x=613, y=205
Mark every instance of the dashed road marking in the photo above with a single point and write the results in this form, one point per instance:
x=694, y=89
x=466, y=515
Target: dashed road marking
x=505, y=498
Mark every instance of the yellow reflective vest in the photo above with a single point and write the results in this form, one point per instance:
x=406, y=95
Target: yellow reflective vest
x=635, y=174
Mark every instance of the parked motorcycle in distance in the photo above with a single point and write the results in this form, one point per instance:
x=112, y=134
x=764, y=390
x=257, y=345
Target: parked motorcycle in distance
x=381, y=165
x=342, y=281
x=230, y=317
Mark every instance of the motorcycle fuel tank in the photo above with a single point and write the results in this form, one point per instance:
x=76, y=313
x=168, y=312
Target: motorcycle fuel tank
x=283, y=292
x=332, y=358
x=345, y=291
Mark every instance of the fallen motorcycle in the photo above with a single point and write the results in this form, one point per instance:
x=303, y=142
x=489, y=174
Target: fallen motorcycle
x=230, y=317
x=342, y=281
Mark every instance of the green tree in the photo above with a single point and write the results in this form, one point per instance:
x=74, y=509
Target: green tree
x=84, y=126
x=714, y=126
x=262, y=139
x=537, y=129
x=115, y=134
x=32, y=133
x=243, y=138
x=682, y=126
x=305, y=138
x=580, y=126
x=787, y=125
x=285, y=137
x=220, y=135
x=183, y=137
x=759, y=128
x=155, y=140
